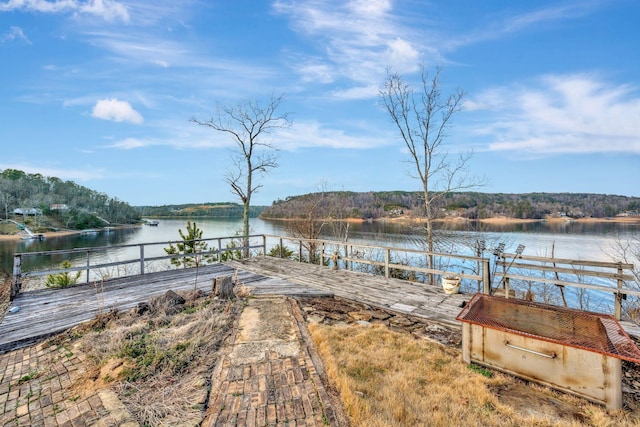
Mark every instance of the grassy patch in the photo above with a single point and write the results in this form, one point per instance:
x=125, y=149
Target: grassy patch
x=165, y=356
x=31, y=375
x=479, y=369
x=387, y=378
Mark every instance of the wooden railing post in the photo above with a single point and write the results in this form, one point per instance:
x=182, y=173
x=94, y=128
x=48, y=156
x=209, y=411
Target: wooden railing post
x=506, y=287
x=281, y=250
x=16, y=284
x=142, y=259
x=300, y=251
x=264, y=245
x=321, y=262
x=486, y=276
x=219, y=250
x=387, y=257
x=88, y=264
x=346, y=254
x=618, y=297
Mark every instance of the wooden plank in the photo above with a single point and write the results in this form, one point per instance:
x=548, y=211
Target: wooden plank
x=50, y=310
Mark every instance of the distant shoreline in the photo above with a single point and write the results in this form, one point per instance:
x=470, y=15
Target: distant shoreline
x=48, y=234
x=501, y=220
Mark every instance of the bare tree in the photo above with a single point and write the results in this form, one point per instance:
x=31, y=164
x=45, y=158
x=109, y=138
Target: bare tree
x=627, y=251
x=317, y=214
x=248, y=123
x=423, y=119
x=309, y=222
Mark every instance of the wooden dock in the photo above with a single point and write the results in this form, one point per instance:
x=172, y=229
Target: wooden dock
x=47, y=312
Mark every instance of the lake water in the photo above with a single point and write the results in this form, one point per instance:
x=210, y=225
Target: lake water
x=574, y=240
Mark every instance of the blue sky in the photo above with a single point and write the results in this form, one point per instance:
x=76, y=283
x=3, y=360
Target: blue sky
x=101, y=92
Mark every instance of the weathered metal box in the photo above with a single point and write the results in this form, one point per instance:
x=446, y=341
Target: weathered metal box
x=571, y=350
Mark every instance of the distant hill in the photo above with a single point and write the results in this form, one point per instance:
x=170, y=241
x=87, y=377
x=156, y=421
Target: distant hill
x=207, y=210
x=49, y=202
x=471, y=205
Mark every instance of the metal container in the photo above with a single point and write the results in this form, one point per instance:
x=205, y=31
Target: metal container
x=571, y=350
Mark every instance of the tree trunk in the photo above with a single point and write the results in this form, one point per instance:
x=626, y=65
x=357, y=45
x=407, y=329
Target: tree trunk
x=245, y=229
x=222, y=287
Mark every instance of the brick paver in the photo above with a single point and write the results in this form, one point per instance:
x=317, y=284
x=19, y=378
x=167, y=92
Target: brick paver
x=36, y=390
x=266, y=377
x=276, y=390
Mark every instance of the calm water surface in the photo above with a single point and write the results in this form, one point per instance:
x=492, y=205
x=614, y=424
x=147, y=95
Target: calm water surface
x=590, y=241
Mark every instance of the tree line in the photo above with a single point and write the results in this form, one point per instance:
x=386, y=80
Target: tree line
x=196, y=210
x=470, y=205
x=70, y=205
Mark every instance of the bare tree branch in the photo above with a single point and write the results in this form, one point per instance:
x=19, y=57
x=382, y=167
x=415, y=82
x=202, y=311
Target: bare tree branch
x=247, y=124
x=423, y=120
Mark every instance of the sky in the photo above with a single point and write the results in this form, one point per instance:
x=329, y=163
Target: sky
x=102, y=92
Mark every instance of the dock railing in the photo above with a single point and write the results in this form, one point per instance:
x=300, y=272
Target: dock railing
x=510, y=271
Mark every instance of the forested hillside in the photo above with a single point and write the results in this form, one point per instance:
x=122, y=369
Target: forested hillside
x=63, y=203
x=469, y=205
x=210, y=210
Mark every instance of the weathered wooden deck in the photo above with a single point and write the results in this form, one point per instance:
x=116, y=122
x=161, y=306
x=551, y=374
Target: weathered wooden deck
x=417, y=299
x=47, y=312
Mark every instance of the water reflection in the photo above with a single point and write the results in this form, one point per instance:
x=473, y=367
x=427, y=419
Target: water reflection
x=575, y=240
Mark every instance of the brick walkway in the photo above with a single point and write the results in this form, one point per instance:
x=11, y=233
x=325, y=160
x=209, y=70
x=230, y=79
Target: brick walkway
x=36, y=390
x=268, y=377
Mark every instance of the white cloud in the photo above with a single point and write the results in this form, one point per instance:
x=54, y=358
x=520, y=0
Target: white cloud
x=403, y=54
x=13, y=34
x=119, y=111
x=316, y=72
x=312, y=134
x=109, y=10
x=360, y=92
x=357, y=40
x=129, y=144
x=561, y=114
x=370, y=7
x=494, y=28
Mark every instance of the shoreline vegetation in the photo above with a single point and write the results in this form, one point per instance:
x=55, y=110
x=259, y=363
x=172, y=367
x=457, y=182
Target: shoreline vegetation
x=499, y=220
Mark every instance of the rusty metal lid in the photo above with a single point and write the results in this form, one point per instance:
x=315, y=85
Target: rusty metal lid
x=587, y=330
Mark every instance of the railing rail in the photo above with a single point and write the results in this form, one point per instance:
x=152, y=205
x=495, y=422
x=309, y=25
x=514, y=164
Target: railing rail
x=533, y=269
x=19, y=274
x=379, y=259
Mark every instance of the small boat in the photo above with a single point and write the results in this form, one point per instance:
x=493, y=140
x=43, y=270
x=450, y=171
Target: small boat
x=33, y=237
x=107, y=229
x=153, y=223
x=89, y=232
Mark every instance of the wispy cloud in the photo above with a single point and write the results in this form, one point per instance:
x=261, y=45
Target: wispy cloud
x=15, y=33
x=130, y=143
x=578, y=113
x=118, y=111
x=496, y=28
x=355, y=41
x=313, y=134
x=109, y=10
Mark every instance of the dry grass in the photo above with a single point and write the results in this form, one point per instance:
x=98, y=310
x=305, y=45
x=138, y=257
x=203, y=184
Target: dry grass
x=159, y=363
x=5, y=293
x=388, y=378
